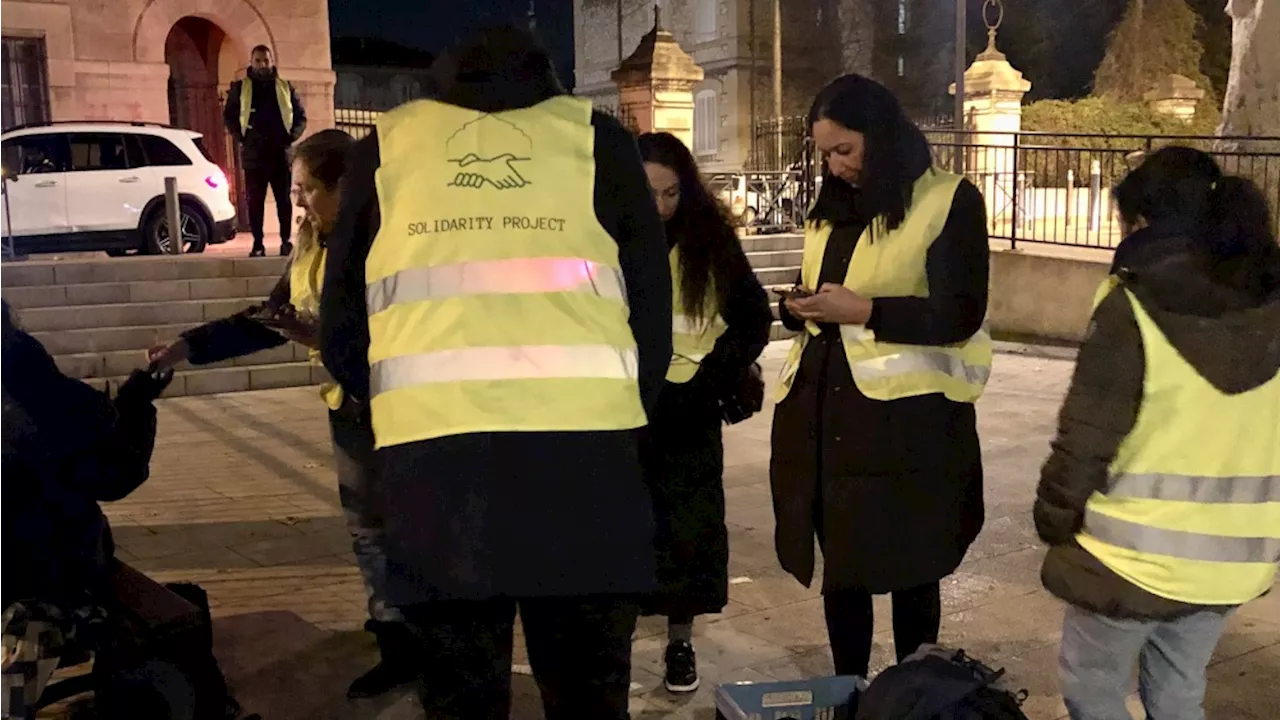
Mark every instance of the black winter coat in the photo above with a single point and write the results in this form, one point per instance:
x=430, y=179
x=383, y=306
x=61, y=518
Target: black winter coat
x=268, y=140
x=67, y=447
x=531, y=514
x=892, y=490
x=1226, y=330
x=684, y=457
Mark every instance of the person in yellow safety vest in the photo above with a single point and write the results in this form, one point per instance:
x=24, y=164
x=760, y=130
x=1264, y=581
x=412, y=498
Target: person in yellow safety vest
x=499, y=249
x=720, y=326
x=1161, y=498
x=875, y=445
x=265, y=116
x=290, y=314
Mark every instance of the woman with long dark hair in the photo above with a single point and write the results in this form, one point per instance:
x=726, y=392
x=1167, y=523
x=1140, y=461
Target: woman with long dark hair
x=720, y=326
x=290, y=313
x=875, y=444
x=1161, y=499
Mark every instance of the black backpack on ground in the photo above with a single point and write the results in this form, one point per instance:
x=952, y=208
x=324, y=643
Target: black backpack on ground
x=940, y=684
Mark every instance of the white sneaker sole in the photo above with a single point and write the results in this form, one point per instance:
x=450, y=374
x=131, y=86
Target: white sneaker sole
x=682, y=688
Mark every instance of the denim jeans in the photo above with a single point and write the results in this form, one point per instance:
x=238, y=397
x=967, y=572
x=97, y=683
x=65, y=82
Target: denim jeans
x=357, y=490
x=1098, y=654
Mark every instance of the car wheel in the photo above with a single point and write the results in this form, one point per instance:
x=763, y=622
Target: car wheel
x=195, y=231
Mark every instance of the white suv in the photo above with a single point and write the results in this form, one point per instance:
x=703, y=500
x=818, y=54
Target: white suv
x=87, y=186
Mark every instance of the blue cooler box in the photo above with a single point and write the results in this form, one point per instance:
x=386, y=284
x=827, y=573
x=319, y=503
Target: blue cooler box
x=832, y=698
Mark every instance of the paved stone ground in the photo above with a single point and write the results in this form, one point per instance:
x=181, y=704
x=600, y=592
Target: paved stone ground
x=243, y=500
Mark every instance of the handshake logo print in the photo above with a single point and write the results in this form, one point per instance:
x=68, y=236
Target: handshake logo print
x=488, y=153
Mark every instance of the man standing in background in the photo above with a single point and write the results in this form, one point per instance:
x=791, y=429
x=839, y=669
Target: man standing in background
x=265, y=116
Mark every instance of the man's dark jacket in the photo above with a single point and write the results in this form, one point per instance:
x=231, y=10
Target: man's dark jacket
x=67, y=447
x=516, y=514
x=267, y=138
x=1229, y=333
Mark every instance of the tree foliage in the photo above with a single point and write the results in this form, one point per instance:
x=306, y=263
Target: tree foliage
x=1155, y=38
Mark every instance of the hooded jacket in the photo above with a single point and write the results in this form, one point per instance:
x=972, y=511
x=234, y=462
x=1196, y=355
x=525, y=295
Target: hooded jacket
x=1228, y=333
x=67, y=447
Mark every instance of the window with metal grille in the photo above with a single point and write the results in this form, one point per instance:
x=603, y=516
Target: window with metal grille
x=706, y=121
x=704, y=26
x=25, y=82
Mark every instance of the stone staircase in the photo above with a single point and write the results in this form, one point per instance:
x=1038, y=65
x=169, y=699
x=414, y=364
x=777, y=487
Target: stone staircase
x=98, y=317
x=776, y=260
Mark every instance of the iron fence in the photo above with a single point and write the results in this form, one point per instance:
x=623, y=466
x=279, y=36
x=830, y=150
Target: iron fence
x=1039, y=187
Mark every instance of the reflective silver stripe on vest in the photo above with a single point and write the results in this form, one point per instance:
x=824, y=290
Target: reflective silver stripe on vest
x=917, y=361
x=1181, y=544
x=494, y=277
x=1187, y=488
x=521, y=362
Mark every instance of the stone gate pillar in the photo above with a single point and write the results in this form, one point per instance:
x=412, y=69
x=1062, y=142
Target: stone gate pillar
x=993, y=91
x=656, y=83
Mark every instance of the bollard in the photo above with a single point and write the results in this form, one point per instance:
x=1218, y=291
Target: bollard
x=1071, y=196
x=173, y=213
x=1095, y=195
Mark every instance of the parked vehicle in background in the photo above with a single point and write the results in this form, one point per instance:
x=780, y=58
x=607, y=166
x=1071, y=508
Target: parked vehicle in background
x=99, y=186
x=763, y=201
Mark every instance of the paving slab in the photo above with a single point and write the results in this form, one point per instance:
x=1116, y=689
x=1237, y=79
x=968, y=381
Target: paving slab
x=243, y=500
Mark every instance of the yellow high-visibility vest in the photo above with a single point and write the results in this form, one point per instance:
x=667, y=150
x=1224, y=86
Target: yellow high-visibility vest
x=891, y=263
x=306, y=278
x=691, y=339
x=496, y=300
x=284, y=96
x=1192, y=506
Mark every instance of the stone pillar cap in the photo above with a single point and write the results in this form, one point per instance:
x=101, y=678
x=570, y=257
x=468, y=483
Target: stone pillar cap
x=1174, y=87
x=657, y=57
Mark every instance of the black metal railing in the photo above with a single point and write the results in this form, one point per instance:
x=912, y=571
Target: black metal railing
x=1039, y=187
x=1056, y=188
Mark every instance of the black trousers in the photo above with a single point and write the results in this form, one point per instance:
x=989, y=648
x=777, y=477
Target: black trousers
x=579, y=649
x=269, y=172
x=917, y=617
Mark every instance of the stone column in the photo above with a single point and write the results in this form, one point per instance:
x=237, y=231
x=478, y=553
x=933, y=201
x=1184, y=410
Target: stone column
x=656, y=83
x=1175, y=95
x=993, y=110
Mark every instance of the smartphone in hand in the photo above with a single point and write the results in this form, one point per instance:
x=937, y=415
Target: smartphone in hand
x=794, y=292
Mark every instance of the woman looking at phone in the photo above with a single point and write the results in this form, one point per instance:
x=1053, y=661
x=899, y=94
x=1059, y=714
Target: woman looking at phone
x=720, y=326
x=290, y=314
x=875, y=445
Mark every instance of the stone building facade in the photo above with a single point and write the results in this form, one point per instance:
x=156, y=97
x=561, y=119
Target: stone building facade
x=731, y=40
x=164, y=61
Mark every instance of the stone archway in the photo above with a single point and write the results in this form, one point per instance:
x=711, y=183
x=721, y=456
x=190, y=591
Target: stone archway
x=239, y=19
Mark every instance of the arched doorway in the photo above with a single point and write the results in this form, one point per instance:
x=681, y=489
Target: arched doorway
x=202, y=61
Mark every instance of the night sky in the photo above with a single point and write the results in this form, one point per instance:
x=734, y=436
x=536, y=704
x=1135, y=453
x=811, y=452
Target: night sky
x=434, y=25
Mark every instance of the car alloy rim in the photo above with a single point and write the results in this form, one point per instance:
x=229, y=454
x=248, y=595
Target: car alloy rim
x=189, y=229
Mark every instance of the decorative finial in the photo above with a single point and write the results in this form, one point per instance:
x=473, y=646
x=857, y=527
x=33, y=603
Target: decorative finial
x=993, y=24
x=657, y=17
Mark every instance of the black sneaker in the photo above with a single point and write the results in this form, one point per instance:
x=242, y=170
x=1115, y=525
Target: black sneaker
x=286, y=248
x=682, y=668
x=258, y=251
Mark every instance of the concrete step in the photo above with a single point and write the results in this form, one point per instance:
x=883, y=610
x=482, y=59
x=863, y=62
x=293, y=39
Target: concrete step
x=767, y=259
x=137, y=338
x=233, y=379
x=142, y=291
x=785, y=275
x=128, y=270
x=122, y=362
x=84, y=317
x=762, y=243
x=778, y=332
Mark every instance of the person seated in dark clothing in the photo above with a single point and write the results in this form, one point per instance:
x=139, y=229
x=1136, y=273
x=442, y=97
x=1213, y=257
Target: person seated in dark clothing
x=67, y=447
